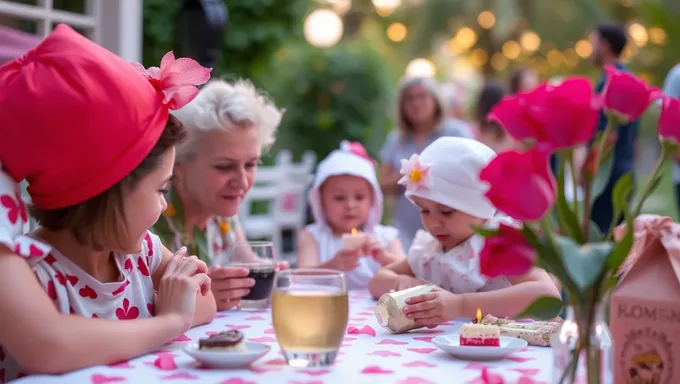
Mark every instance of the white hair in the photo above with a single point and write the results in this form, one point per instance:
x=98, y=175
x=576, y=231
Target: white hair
x=223, y=105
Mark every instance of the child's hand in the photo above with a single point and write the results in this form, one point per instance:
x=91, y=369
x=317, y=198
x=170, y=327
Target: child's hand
x=345, y=259
x=405, y=282
x=433, y=308
x=373, y=248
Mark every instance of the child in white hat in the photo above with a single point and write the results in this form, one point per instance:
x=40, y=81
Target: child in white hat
x=444, y=183
x=346, y=198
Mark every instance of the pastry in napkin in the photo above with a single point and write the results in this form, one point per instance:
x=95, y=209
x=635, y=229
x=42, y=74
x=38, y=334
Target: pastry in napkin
x=536, y=333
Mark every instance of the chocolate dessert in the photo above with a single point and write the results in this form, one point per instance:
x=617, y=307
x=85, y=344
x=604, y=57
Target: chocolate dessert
x=231, y=341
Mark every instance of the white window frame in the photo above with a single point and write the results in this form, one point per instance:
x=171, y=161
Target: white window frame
x=114, y=24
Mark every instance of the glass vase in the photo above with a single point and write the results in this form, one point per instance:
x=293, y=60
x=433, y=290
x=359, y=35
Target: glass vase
x=595, y=363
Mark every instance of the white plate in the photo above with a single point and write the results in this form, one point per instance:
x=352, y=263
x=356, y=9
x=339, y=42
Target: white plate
x=226, y=360
x=451, y=344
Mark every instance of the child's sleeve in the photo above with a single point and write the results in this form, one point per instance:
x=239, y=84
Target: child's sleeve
x=153, y=250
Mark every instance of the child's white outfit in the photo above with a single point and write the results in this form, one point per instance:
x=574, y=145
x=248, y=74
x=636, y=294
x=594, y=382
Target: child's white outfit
x=447, y=172
x=349, y=160
x=457, y=270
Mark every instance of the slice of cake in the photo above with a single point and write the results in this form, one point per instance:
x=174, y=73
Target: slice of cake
x=480, y=335
x=228, y=341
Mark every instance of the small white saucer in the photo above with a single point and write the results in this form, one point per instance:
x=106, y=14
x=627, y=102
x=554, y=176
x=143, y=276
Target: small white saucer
x=451, y=344
x=227, y=360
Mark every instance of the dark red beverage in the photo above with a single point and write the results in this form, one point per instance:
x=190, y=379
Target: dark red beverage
x=264, y=280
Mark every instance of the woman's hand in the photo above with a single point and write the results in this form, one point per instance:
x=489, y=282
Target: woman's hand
x=229, y=285
x=182, y=279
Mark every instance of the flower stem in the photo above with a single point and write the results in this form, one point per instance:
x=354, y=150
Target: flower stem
x=574, y=185
x=665, y=153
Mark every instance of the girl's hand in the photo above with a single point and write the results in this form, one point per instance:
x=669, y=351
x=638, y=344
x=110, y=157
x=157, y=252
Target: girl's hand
x=182, y=279
x=373, y=248
x=433, y=308
x=345, y=260
x=405, y=282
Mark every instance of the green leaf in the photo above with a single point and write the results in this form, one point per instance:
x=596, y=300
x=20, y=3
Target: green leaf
x=594, y=234
x=485, y=232
x=584, y=262
x=544, y=308
x=565, y=215
x=604, y=173
x=621, y=194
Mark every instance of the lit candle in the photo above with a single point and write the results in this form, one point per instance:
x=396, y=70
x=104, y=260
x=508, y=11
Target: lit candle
x=354, y=240
x=478, y=319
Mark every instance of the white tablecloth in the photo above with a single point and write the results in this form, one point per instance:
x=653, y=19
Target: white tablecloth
x=369, y=354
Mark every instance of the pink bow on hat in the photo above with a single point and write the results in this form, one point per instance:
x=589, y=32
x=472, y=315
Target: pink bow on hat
x=176, y=79
x=357, y=149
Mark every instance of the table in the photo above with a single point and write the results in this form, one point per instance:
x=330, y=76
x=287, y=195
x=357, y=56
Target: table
x=369, y=354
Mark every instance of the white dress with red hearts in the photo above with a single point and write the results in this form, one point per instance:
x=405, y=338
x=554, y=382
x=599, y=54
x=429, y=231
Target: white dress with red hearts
x=76, y=292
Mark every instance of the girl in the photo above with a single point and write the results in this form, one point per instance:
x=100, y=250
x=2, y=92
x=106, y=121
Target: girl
x=92, y=255
x=443, y=183
x=346, y=196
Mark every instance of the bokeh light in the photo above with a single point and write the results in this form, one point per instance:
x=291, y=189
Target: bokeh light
x=323, y=28
x=396, y=32
x=530, y=41
x=420, y=68
x=486, y=19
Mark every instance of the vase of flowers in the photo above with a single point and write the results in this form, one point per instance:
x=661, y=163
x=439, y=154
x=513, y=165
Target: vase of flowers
x=557, y=232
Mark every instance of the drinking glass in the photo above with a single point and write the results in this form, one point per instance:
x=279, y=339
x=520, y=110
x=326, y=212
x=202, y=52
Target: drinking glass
x=258, y=257
x=310, y=310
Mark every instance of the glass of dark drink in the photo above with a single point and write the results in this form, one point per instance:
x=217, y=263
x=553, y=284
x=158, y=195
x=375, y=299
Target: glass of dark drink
x=258, y=257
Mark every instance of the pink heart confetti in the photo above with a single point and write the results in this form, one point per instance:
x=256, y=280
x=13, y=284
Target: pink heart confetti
x=237, y=326
x=476, y=366
x=419, y=364
x=415, y=380
x=365, y=313
x=181, y=338
x=164, y=362
x=263, y=339
x=391, y=342
x=276, y=362
x=427, y=339
x=98, y=378
x=422, y=350
x=527, y=371
x=269, y=331
x=348, y=338
x=384, y=353
x=210, y=333
x=254, y=318
x=315, y=372
x=180, y=376
x=375, y=370
x=525, y=350
x=366, y=330
x=236, y=380
x=122, y=364
x=519, y=359
x=529, y=380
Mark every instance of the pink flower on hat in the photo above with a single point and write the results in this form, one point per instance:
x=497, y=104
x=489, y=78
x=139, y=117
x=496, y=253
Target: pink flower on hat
x=357, y=149
x=415, y=174
x=176, y=79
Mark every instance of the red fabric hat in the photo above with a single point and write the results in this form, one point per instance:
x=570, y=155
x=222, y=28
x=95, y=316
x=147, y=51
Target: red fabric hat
x=76, y=118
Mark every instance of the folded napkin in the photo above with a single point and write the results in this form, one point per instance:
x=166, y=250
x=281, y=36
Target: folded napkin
x=536, y=333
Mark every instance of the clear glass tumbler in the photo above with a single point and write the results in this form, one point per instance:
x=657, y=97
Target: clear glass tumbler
x=258, y=257
x=310, y=311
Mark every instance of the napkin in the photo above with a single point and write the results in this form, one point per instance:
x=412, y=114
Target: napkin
x=536, y=333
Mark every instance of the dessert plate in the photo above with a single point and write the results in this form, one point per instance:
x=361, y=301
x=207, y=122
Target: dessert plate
x=451, y=344
x=227, y=359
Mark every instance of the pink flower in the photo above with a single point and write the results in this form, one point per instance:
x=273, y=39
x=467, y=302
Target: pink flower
x=356, y=148
x=626, y=95
x=521, y=183
x=176, y=79
x=415, y=174
x=506, y=254
x=561, y=116
x=490, y=378
x=669, y=121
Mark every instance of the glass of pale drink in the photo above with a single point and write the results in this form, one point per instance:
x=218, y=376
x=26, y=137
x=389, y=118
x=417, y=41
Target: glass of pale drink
x=258, y=257
x=310, y=311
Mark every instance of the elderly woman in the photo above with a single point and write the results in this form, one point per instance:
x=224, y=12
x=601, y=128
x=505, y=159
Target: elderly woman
x=229, y=125
x=421, y=119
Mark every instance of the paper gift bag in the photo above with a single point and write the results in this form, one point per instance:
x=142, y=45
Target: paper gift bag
x=645, y=305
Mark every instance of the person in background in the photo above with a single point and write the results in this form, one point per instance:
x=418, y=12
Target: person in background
x=671, y=87
x=522, y=80
x=228, y=126
x=346, y=196
x=421, y=119
x=490, y=133
x=609, y=41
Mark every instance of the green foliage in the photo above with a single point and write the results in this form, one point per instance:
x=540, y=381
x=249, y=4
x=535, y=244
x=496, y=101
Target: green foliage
x=330, y=95
x=256, y=30
x=545, y=308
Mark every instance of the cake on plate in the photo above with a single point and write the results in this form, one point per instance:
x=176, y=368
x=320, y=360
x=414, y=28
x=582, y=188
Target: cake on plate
x=480, y=335
x=228, y=341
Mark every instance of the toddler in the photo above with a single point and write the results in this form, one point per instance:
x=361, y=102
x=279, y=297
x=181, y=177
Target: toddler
x=443, y=183
x=92, y=136
x=346, y=196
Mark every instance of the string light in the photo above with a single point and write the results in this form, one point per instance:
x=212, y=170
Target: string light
x=396, y=32
x=530, y=41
